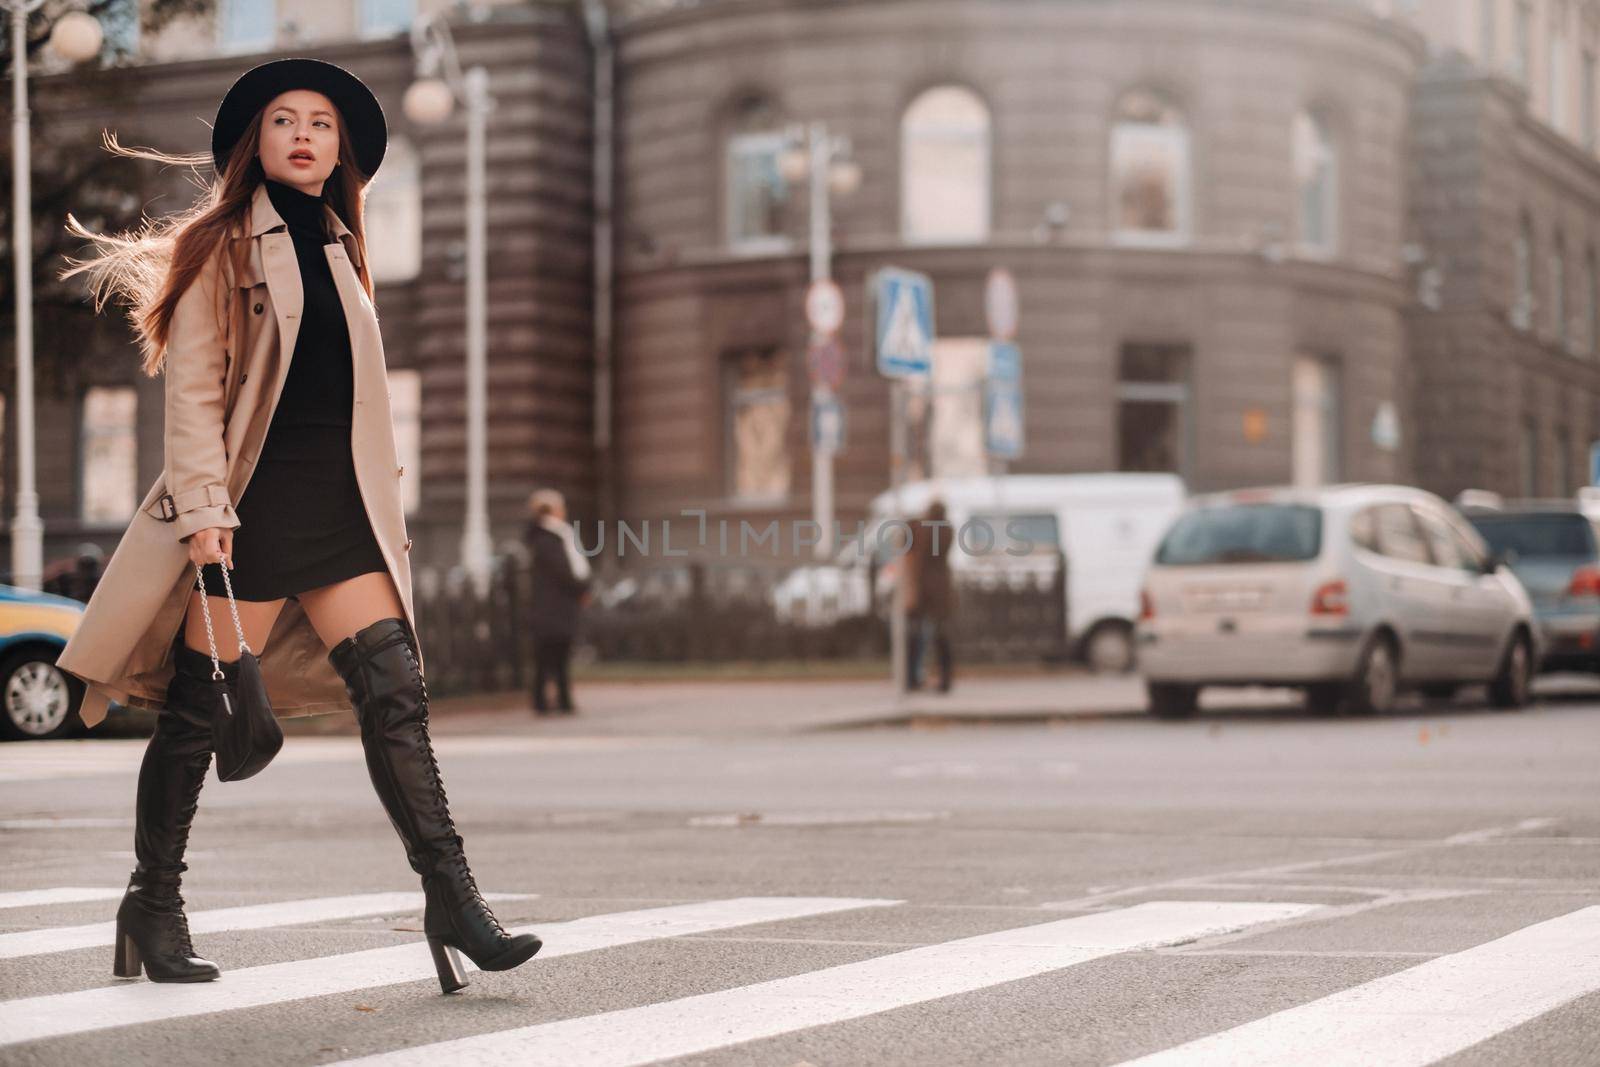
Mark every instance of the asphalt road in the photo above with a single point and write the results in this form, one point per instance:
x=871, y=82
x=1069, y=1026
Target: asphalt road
x=1255, y=886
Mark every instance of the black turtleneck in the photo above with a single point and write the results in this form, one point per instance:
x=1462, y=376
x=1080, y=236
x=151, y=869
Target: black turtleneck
x=320, y=388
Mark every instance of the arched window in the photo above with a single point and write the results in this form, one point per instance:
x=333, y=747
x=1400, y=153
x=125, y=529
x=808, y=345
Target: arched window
x=1150, y=170
x=944, y=167
x=1522, y=262
x=757, y=195
x=1558, y=289
x=394, y=215
x=1316, y=180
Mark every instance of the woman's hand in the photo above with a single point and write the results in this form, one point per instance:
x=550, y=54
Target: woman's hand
x=211, y=545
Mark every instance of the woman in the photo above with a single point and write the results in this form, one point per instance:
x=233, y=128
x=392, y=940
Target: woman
x=930, y=595
x=560, y=589
x=280, y=464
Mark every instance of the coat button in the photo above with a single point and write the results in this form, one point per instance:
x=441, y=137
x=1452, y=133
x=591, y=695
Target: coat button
x=259, y=308
x=245, y=377
x=401, y=473
x=408, y=544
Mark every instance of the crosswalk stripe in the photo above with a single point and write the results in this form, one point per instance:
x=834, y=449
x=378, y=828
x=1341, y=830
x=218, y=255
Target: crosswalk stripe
x=710, y=1021
x=1422, y=1014
x=68, y=894
x=132, y=1003
x=249, y=917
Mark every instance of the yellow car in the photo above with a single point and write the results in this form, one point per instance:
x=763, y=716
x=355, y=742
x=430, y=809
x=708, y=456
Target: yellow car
x=38, y=701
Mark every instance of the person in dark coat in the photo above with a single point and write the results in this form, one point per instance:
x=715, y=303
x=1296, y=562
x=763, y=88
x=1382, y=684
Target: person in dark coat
x=930, y=594
x=560, y=589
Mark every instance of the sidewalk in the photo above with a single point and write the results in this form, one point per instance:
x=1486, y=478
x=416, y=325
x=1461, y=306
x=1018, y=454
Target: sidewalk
x=724, y=708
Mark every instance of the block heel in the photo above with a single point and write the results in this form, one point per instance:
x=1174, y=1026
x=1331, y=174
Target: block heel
x=128, y=962
x=447, y=961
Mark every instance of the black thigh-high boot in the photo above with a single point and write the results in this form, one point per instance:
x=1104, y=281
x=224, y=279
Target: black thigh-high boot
x=152, y=929
x=381, y=672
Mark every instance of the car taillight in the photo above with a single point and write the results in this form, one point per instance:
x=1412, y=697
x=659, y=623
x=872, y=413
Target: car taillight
x=1331, y=599
x=1147, y=607
x=1585, y=582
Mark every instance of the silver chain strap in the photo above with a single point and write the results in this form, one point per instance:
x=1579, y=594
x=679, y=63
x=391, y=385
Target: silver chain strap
x=205, y=611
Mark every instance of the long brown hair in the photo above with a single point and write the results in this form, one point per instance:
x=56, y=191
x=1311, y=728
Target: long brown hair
x=150, y=267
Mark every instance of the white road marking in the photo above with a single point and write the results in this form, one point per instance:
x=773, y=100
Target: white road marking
x=816, y=818
x=712, y=1021
x=1421, y=1014
x=133, y=1003
x=249, y=917
x=30, y=898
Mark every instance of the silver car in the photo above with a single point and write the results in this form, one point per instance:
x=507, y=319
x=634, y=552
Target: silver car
x=1351, y=592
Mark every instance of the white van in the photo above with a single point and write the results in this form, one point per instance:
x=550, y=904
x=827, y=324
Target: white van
x=1108, y=524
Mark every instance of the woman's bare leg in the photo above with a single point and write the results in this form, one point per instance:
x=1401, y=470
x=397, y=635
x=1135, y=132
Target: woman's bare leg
x=255, y=616
x=342, y=609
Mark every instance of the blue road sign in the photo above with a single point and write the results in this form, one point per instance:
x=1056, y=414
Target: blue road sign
x=904, y=335
x=1005, y=361
x=1002, y=418
x=827, y=423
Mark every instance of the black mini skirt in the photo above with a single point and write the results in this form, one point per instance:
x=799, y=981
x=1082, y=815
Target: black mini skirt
x=302, y=524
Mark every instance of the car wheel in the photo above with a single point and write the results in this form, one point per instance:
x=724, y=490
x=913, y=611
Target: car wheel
x=1325, y=698
x=1377, y=680
x=1109, y=648
x=38, y=700
x=1170, y=701
x=1513, y=684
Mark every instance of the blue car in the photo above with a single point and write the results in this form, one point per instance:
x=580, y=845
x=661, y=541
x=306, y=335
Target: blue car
x=38, y=701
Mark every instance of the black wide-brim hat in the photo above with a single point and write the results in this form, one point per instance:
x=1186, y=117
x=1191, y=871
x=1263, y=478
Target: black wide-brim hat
x=257, y=87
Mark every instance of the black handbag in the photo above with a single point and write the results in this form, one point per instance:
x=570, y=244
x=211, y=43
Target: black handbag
x=244, y=733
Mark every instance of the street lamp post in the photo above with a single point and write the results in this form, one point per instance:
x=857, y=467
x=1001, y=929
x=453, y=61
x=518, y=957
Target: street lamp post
x=76, y=37
x=812, y=151
x=430, y=99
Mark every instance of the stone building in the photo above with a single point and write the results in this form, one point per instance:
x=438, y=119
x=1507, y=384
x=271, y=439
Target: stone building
x=1256, y=241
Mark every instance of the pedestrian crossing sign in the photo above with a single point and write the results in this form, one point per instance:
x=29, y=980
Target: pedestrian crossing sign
x=904, y=333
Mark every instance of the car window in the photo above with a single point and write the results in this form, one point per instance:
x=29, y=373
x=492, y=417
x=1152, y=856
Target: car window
x=1556, y=534
x=1398, y=535
x=1243, y=533
x=1446, y=547
x=1015, y=531
x=1364, y=529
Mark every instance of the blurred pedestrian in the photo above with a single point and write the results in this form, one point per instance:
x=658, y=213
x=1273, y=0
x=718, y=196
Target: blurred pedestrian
x=930, y=595
x=560, y=589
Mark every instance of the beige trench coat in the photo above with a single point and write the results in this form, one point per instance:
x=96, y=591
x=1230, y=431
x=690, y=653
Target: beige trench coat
x=221, y=391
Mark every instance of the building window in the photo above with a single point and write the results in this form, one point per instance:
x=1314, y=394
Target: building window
x=757, y=425
x=1316, y=441
x=1591, y=303
x=383, y=18
x=246, y=25
x=1150, y=170
x=1152, y=408
x=1487, y=43
x=1556, y=68
x=757, y=194
x=119, y=22
x=1530, y=457
x=1563, y=462
x=955, y=436
x=944, y=167
x=405, y=408
x=393, y=214
x=1316, y=175
x=1586, y=102
x=1522, y=265
x=109, y=452
x=1558, y=290
x=1522, y=53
